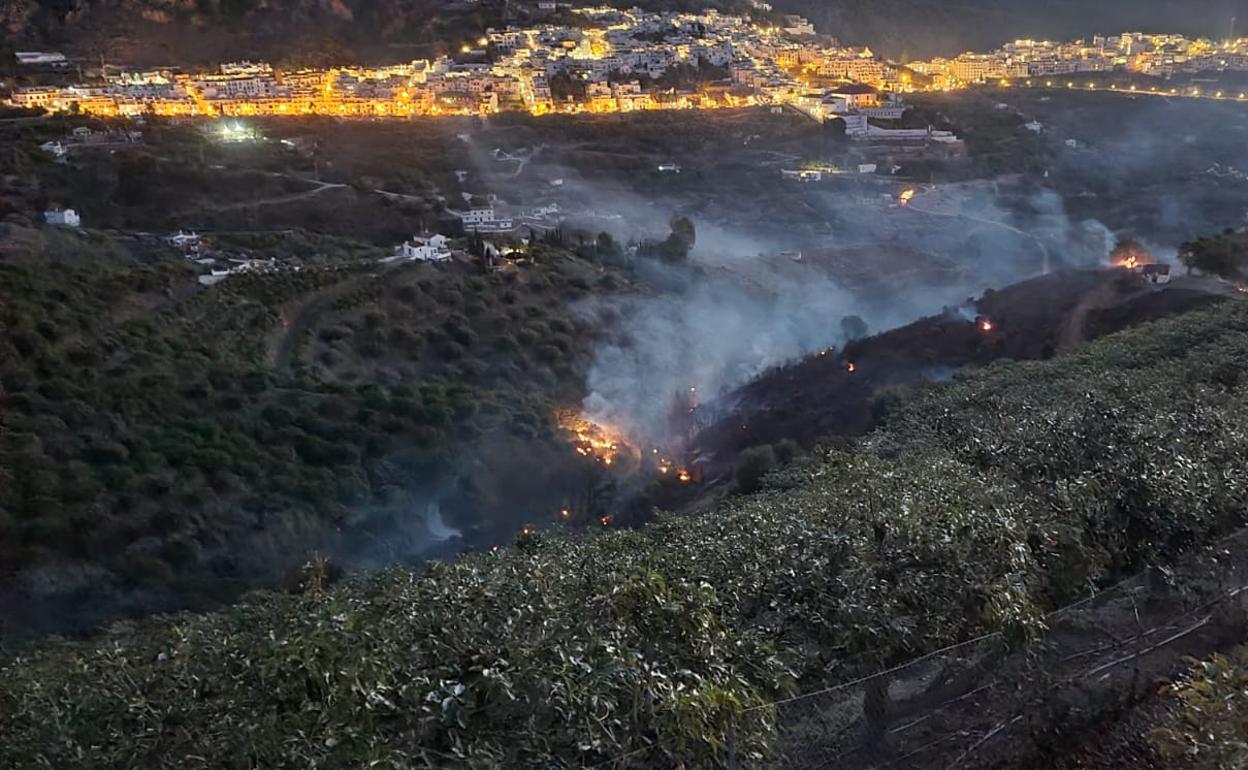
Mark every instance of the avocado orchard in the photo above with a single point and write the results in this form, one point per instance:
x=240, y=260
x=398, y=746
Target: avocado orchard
x=977, y=507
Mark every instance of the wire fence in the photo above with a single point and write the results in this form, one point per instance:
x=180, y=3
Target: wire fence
x=978, y=704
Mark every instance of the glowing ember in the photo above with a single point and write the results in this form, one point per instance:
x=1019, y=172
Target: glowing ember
x=684, y=476
x=985, y=325
x=591, y=439
x=849, y=367
x=565, y=513
x=606, y=521
x=904, y=198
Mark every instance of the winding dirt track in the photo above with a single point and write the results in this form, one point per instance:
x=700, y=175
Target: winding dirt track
x=276, y=200
x=301, y=315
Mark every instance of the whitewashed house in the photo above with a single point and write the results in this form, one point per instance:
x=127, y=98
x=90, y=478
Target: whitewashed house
x=55, y=149
x=187, y=243
x=435, y=248
x=62, y=217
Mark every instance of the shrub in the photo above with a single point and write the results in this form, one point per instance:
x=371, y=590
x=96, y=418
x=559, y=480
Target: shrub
x=752, y=465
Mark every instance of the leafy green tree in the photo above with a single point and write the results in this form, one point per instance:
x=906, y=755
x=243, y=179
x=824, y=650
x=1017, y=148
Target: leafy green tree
x=1224, y=255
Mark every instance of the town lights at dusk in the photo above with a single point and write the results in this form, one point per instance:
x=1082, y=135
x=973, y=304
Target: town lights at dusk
x=681, y=384
x=765, y=66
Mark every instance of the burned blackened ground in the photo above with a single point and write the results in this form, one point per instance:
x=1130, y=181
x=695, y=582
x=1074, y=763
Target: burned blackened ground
x=836, y=392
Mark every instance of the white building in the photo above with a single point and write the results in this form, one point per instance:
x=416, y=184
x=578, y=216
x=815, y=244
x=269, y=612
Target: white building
x=1157, y=273
x=435, y=248
x=477, y=216
x=41, y=58
x=187, y=243
x=34, y=96
x=486, y=220
x=855, y=96
x=62, y=217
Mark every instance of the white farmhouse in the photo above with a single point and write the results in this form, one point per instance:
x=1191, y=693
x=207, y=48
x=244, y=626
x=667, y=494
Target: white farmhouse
x=435, y=248
x=62, y=217
x=187, y=243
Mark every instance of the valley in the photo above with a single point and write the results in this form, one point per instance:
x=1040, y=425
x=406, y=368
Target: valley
x=667, y=438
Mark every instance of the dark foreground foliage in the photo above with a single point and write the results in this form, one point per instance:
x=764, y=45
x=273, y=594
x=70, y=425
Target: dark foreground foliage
x=979, y=506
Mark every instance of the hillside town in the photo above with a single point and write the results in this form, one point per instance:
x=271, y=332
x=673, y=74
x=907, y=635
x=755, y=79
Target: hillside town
x=614, y=60
x=1154, y=55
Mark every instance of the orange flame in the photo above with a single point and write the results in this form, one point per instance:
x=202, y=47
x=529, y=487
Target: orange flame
x=591, y=439
x=849, y=367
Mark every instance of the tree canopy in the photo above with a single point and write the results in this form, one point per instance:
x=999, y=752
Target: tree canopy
x=1225, y=255
x=978, y=506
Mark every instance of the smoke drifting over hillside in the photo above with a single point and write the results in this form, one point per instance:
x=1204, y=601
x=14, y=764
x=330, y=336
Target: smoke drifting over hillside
x=713, y=334
x=726, y=319
x=1136, y=167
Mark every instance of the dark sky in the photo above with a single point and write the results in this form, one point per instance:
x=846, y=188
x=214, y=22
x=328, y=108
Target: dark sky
x=927, y=27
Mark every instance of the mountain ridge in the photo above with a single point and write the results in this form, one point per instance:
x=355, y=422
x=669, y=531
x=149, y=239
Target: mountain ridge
x=149, y=32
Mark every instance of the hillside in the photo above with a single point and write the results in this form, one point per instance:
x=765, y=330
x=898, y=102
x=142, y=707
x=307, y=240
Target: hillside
x=818, y=396
x=163, y=32
x=166, y=445
x=978, y=506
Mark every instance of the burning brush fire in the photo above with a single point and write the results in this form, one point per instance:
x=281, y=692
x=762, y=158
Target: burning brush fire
x=590, y=439
x=905, y=197
x=611, y=448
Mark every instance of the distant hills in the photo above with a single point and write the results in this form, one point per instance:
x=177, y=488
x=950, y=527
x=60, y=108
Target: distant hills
x=925, y=28
x=188, y=31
